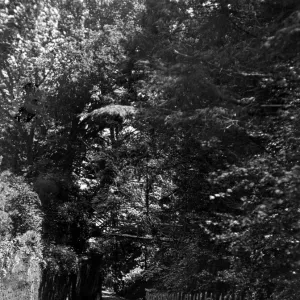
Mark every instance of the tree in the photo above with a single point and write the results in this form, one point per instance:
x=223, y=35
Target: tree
x=168, y=128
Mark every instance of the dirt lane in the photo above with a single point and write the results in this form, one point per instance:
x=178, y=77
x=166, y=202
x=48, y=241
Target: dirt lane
x=107, y=295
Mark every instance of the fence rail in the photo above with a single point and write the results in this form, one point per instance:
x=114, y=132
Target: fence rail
x=150, y=295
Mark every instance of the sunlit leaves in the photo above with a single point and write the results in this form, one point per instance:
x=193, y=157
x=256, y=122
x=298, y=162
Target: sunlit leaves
x=20, y=240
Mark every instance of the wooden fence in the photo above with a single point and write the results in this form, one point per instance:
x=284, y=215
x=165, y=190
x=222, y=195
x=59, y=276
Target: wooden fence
x=151, y=295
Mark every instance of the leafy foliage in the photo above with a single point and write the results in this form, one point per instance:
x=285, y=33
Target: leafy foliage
x=21, y=220
x=164, y=140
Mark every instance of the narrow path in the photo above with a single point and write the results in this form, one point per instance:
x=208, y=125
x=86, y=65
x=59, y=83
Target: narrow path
x=107, y=295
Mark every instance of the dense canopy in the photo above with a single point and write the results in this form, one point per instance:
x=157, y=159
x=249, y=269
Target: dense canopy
x=151, y=143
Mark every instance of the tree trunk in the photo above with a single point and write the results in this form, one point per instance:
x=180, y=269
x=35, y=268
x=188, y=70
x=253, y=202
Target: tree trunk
x=91, y=279
x=71, y=146
x=29, y=144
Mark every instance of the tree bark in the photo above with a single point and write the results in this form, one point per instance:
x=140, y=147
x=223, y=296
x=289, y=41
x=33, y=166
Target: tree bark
x=29, y=144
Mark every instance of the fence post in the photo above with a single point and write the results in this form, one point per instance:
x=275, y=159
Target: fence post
x=151, y=295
